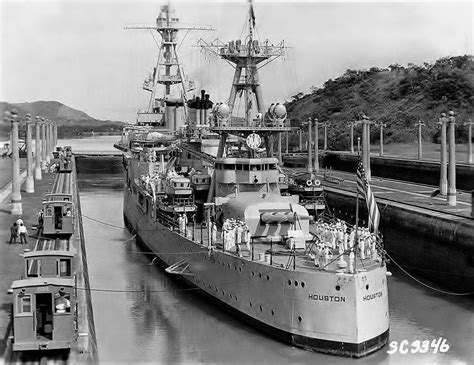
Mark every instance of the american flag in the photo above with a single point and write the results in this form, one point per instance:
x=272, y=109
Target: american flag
x=363, y=187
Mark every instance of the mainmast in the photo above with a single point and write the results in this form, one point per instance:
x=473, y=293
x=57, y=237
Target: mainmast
x=247, y=56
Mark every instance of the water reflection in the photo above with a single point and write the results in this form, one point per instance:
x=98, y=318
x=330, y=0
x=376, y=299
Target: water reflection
x=160, y=320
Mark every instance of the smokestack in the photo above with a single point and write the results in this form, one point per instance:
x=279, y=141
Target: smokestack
x=206, y=108
x=203, y=107
x=198, y=114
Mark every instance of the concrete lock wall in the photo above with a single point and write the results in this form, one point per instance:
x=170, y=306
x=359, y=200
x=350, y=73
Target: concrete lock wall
x=101, y=164
x=431, y=247
x=423, y=172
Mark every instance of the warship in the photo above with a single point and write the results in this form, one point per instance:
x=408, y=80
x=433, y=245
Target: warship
x=218, y=219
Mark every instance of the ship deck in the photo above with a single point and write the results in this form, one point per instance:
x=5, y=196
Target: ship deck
x=278, y=255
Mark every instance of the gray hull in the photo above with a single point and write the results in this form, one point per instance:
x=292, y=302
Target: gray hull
x=332, y=313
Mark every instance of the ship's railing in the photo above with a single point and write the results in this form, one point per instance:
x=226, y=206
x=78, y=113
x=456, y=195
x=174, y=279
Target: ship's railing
x=236, y=122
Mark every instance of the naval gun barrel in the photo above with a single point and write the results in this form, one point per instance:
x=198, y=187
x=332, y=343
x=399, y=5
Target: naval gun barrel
x=281, y=217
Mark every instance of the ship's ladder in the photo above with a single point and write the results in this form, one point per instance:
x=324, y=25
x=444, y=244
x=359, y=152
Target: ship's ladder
x=180, y=268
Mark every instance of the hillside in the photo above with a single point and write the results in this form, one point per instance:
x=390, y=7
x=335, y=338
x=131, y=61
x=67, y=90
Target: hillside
x=53, y=110
x=72, y=122
x=397, y=96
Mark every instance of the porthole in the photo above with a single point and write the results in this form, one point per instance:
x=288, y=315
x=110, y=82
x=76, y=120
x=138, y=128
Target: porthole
x=240, y=269
x=338, y=287
x=367, y=287
x=268, y=277
x=223, y=292
x=228, y=265
x=217, y=290
x=289, y=282
x=250, y=304
x=253, y=273
x=259, y=274
x=296, y=283
x=300, y=319
x=303, y=284
x=273, y=313
x=261, y=309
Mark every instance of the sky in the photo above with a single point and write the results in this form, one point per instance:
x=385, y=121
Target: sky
x=77, y=52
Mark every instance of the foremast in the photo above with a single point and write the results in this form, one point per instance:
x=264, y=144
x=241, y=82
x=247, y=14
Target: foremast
x=168, y=70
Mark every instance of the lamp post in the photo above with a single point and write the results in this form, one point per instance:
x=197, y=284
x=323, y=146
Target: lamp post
x=48, y=140
x=316, y=145
x=301, y=138
x=452, y=160
x=366, y=145
x=351, y=126
x=37, y=148
x=310, y=157
x=469, y=140
x=16, y=205
x=325, y=125
x=43, y=144
x=420, y=146
x=443, y=178
x=280, y=158
x=287, y=135
x=30, y=181
x=381, y=125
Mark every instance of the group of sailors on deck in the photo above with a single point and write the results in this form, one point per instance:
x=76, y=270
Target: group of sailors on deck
x=336, y=236
x=234, y=233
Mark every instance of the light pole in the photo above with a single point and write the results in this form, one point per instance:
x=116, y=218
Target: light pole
x=287, y=135
x=16, y=205
x=37, y=148
x=280, y=159
x=420, y=146
x=381, y=125
x=30, y=181
x=301, y=138
x=469, y=140
x=351, y=126
x=325, y=125
x=316, y=145
x=366, y=145
x=452, y=160
x=48, y=141
x=443, y=178
x=43, y=144
x=310, y=157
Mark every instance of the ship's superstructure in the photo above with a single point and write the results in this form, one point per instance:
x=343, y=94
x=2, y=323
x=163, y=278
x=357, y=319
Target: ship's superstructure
x=253, y=250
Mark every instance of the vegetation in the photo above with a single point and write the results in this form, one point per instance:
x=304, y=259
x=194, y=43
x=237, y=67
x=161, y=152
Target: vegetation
x=396, y=96
x=72, y=123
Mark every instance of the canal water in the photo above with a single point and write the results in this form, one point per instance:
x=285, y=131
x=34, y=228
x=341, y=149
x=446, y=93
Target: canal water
x=142, y=315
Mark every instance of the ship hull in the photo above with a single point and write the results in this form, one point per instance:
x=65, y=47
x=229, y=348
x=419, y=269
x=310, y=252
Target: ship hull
x=311, y=315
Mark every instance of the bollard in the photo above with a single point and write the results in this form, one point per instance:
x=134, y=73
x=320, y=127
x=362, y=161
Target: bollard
x=452, y=160
x=443, y=179
x=16, y=207
x=316, y=145
x=310, y=157
x=30, y=181
x=37, y=148
x=43, y=144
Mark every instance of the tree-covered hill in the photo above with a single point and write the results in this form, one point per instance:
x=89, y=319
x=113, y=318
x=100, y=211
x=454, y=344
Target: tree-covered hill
x=397, y=96
x=71, y=122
